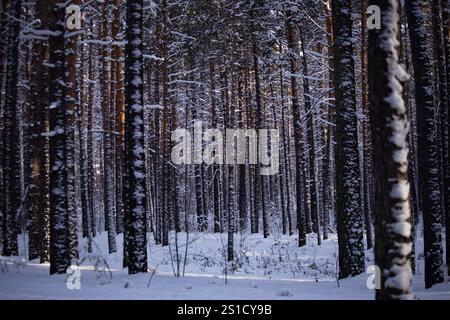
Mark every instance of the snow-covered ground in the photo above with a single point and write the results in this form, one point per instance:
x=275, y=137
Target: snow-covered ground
x=273, y=268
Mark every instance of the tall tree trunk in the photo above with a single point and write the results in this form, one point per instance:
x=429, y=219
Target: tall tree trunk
x=215, y=166
x=301, y=218
x=349, y=218
x=445, y=5
x=108, y=152
x=427, y=147
x=59, y=214
x=390, y=128
x=242, y=168
x=91, y=219
x=367, y=152
x=311, y=143
x=119, y=112
x=70, y=107
x=232, y=205
x=11, y=185
x=285, y=181
x=39, y=230
x=443, y=91
x=134, y=179
x=165, y=127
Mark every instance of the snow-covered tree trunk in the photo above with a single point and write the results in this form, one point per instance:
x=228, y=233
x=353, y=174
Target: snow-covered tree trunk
x=165, y=147
x=349, y=215
x=427, y=146
x=367, y=148
x=108, y=151
x=134, y=179
x=301, y=217
x=215, y=166
x=59, y=219
x=259, y=199
x=83, y=145
x=2, y=54
x=285, y=164
x=119, y=94
x=10, y=136
x=390, y=128
x=309, y=110
x=328, y=180
x=445, y=7
x=232, y=203
x=91, y=219
x=440, y=67
x=42, y=104
x=70, y=107
x=38, y=108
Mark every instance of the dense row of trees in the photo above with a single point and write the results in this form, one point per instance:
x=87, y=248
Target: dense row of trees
x=86, y=119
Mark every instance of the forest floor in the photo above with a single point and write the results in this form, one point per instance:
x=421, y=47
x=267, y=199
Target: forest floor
x=273, y=268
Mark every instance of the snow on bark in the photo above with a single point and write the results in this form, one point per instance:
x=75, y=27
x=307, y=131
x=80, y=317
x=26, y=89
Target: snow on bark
x=390, y=133
x=135, y=187
x=108, y=151
x=427, y=146
x=299, y=176
x=349, y=215
x=70, y=106
x=445, y=5
x=11, y=183
x=59, y=253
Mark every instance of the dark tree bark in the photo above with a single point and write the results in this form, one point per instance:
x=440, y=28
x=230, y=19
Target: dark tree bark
x=367, y=151
x=390, y=127
x=165, y=213
x=119, y=93
x=445, y=5
x=59, y=218
x=349, y=217
x=39, y=234
x=70, y=107
x=440, y=33
x=108, y=151
x=311, y=142
x=11, y=185
x=91, y=218
x=427, y=147
x=259, y=182
x=215, y=166
x=232, y=204
x=301, y=218
x=134, y=179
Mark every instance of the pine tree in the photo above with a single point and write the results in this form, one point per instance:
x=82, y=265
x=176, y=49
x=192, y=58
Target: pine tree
x=390, y=128
x=119, y=96
x=215, y=166
x=165, y=148
x=39, y=210
x=70, y=107
x=427, y=147
x=445, y=6
x=367, y=151
x=11, y=183
x=134, y=179
x=108, y=141
x=349, y=217
x=232, y=205
x=260, y=203
x=309, y=109
x=59, y=219
x=301, y=216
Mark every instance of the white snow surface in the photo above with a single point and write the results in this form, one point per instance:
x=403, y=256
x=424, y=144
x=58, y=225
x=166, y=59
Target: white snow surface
x=268, y=269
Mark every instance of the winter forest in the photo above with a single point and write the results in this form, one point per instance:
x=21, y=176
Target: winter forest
x=224, y=149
